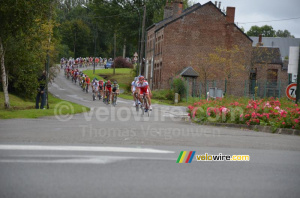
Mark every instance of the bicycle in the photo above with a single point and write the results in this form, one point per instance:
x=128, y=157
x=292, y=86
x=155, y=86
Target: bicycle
x=99, y=95
x=145, y=105
x=114, y=100
x=107, y=97
x=87, y=88
x=137, y=102
x=83, y=86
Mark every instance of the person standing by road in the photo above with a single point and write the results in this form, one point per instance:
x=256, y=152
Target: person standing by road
x=41, y=91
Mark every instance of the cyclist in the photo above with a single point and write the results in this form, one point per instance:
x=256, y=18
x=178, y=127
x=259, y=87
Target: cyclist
x=87, y=80
x=83, y=84
x=101, y=87
x=144, y=88
x=107, y=88
x=134, y=90
x=95, y=87
x=115, y=90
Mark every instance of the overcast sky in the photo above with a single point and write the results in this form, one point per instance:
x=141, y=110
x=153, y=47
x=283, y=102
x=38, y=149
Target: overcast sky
x=265, y=10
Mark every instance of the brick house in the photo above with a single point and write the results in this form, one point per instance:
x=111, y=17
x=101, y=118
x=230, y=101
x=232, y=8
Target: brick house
x=182, y=36
x=269, y=71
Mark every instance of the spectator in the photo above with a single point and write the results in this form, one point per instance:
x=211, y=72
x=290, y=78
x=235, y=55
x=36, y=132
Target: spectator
x=41, y=92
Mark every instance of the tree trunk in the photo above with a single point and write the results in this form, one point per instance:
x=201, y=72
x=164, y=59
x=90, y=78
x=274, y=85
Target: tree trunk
x=4, y=76
x=115, y=46
x=124, y=48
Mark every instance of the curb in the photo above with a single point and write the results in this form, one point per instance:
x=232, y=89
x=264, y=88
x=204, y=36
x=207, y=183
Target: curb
x=258, y=128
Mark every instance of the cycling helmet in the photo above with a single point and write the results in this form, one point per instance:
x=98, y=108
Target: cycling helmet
x=141, y=78
x=136, y=78
x=115, y=82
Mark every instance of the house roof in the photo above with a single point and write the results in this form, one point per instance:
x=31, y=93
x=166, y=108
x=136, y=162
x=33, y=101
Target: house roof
x=283, y=44
x=189, y=72
x=185, y=12
x=267, y=55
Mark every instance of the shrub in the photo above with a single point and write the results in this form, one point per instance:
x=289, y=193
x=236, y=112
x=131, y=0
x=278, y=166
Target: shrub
x=163, y=95
x=121, y=62
x=179, y=86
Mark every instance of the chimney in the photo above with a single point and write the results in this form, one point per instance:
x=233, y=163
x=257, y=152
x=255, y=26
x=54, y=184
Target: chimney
x=216, y=3
x=230, y=12
x=180, y=8
x=260, y=43
x=168, y=11
x=177, y=7
x=219, y=4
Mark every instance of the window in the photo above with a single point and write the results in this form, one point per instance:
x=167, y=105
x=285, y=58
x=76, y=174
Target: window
x=272, y=75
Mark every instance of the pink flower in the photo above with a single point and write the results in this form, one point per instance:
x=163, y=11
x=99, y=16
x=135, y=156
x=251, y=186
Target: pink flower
x=296, y=121
x=253, y=115
x=277, y=108
x=283, y=123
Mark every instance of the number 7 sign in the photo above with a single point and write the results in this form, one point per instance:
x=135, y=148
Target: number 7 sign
x=291, y=91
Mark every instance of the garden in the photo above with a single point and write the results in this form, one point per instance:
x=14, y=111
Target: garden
x=273, y=112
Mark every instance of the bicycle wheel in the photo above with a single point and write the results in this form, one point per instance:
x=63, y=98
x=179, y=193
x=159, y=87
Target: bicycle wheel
x=94, y=97
x=137, y=105
x=148, y=107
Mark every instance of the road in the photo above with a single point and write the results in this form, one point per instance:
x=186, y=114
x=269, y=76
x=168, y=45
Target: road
x=115, y=152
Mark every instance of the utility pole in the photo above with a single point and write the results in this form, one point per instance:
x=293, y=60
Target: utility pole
x=142, y=42
x=115, y=46
x=46, y=99
x=298, y=81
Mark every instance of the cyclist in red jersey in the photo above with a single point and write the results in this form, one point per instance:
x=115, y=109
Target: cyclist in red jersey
x=144, y=88
x=108, y=88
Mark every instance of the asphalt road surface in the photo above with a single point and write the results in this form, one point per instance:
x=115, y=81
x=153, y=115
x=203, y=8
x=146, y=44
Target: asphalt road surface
x=116, y=152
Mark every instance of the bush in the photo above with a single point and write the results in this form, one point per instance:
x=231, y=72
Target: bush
x=121, y=62
x=163, y=95
x=179, y=86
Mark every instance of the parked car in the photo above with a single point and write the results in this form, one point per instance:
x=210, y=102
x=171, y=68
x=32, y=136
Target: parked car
x=108, y=64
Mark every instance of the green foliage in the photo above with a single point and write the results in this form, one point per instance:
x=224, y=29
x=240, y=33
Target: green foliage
x=284, y=33
x=25, y=31
x=179, y=86
x=163, y=94
x=266, y=31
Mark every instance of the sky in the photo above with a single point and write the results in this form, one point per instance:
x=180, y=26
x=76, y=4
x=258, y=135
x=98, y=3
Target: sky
x=247, y=11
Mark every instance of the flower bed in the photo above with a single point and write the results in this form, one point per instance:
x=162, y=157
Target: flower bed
x=266, y=112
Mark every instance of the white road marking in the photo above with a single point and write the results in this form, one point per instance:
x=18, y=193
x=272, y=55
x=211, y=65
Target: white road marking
x=82, y=148
x=75, y=159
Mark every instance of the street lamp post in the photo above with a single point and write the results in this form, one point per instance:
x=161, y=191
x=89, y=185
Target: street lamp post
x=95, y=38
x=139, y=42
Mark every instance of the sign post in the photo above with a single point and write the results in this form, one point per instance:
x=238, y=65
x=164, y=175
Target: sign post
x=291, y=91
x=294, y=69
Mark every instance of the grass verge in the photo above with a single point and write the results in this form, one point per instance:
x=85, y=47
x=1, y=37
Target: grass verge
x=21, y=108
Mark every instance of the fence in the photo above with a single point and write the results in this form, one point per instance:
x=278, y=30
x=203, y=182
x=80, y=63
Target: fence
x=247, y=88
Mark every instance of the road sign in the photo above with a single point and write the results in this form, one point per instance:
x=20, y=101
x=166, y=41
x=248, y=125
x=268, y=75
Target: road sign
x=293, y=60
x=291, y=91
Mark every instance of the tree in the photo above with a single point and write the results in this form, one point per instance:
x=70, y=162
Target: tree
x=206, y=70
x=230, y=63
x=284, y=33
x=16, y=19
x=266, y=31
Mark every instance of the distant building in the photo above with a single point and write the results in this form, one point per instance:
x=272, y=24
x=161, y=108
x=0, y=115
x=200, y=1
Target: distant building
x=269, y=69
x=283, y=44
